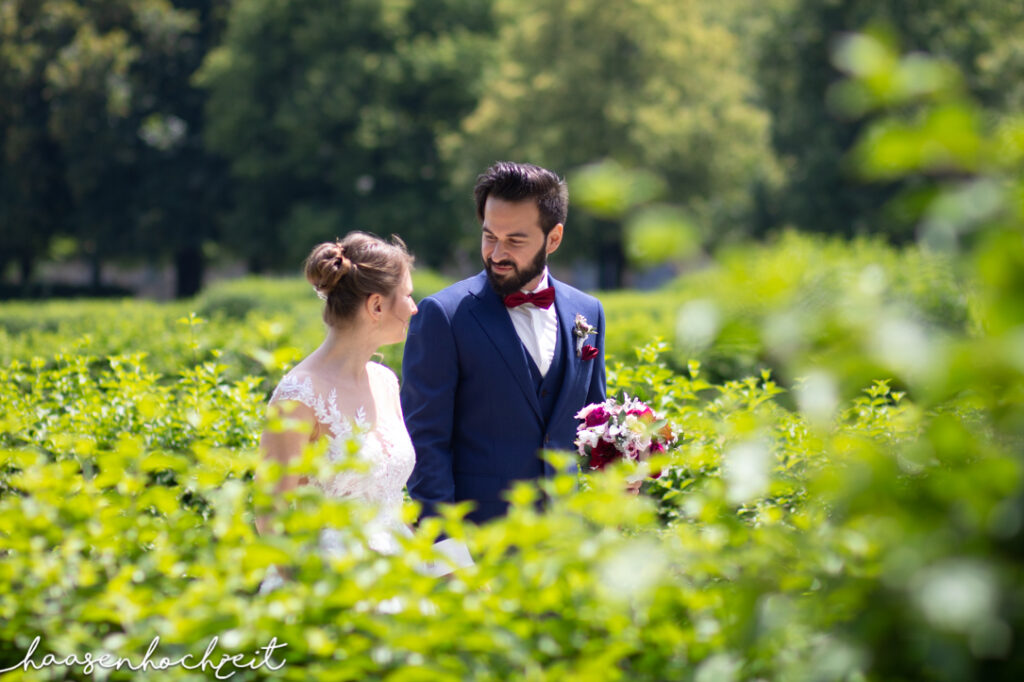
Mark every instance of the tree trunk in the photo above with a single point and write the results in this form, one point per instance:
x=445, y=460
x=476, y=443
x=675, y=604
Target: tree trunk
x=611, y=263
x=97, y=271
x=26, y=264
x=188, y=264
x=255, y=266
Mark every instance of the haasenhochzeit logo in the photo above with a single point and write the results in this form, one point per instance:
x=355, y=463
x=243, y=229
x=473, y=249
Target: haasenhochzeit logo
x=89, y=661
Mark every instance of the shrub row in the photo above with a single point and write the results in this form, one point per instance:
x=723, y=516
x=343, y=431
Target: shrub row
x=778, y=544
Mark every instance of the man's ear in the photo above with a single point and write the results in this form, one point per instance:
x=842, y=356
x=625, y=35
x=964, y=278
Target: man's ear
x=555, y=238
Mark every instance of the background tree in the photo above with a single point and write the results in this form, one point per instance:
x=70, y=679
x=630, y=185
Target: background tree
x=812, y=137
x=101, y=131
x=34, y=196
x=330, y=112
x=184, y=188
x=652, y=85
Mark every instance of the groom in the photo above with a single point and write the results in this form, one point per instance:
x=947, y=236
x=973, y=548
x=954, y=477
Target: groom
x=497, y=365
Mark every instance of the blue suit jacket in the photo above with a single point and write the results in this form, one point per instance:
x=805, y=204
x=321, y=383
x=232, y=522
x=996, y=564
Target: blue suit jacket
x=470, y=402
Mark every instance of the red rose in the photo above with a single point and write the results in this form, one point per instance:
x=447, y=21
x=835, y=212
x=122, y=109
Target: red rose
x=588, y=353
x=603, y=454
x=598, y=416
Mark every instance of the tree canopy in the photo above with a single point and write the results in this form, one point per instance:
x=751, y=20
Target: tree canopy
x=652, y=85
x=100, y=126
x=178, y=130
x=330, y=114
x=812, y=131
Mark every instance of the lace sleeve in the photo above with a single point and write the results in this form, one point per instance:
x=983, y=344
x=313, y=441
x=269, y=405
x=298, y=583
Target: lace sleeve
x=293, y=388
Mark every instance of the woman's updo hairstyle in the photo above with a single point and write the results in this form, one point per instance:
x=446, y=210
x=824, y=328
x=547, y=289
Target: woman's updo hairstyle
x=345, y=272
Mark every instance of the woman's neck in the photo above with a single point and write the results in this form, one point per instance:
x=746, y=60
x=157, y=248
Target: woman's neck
x=345, y=352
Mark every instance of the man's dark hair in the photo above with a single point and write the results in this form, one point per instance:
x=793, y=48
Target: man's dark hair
x=522, y=181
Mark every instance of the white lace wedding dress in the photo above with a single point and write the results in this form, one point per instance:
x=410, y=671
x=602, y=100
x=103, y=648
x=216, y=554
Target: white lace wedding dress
x=385, y=446
x=389, y=453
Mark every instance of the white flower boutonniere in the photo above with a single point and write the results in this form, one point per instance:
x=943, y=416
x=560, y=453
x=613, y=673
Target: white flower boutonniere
x=581, y=330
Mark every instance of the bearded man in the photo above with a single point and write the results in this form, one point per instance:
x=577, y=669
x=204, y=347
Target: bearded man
x=497, y=365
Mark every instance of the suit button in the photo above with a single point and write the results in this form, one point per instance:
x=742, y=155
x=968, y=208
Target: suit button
x=544, y=393
x=547, y=439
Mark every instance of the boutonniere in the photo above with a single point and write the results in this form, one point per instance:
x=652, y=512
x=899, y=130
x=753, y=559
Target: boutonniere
x=581, y=330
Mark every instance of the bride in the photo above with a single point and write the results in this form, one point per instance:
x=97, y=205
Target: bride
x=366, y=284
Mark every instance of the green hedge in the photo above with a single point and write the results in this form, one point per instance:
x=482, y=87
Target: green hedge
x=253, y=326
x=773, y=546
x=799, y=302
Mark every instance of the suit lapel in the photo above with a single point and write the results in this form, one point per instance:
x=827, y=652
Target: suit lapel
x=574, y=369
x=492, y=316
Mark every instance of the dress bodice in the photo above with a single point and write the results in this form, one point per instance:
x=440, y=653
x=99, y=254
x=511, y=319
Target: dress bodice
x=385, y=446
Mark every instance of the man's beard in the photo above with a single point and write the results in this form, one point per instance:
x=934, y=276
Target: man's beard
x=517, y=279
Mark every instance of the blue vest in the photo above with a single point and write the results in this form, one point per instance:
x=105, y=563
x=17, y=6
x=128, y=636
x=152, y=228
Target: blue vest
x=549, y=384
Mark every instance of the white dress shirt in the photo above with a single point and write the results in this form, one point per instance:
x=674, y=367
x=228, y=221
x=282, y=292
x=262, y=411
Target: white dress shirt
x=537, y=328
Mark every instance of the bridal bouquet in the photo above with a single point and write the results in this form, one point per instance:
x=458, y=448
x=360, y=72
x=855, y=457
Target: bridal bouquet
x=611, y=430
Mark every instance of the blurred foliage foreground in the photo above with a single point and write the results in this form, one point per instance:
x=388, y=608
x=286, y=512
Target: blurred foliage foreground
x=875, y=538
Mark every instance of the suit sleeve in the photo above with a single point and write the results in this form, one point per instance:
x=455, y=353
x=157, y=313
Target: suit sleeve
x=430, y=374
x=596, y=392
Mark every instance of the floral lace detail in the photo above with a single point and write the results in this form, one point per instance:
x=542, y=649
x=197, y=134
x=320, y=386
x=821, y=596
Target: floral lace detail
x=385, y=446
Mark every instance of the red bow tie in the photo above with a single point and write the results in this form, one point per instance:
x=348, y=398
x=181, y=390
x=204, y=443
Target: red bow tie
x=542, y=299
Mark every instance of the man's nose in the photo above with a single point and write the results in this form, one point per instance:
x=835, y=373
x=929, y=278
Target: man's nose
x=497, y=253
